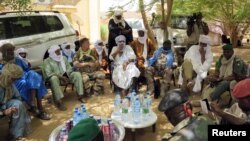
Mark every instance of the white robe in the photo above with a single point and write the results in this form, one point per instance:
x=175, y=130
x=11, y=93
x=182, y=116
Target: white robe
x=123, y=78
x=201, y=70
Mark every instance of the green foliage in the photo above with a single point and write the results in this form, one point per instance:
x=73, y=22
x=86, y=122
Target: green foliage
x=19, y=5
x=104, y=32
x=224, y=10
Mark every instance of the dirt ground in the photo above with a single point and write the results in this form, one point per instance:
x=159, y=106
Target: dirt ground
x=103, y=106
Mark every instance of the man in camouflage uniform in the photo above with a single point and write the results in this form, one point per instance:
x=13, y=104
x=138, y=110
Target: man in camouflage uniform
x=229, y=70
x=187, y=127
x=86, y=61
x=160, y=64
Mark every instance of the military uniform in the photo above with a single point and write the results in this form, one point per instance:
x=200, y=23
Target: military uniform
x=239, y=71
x=90, y=73
x=187, y=128
x=190, y=129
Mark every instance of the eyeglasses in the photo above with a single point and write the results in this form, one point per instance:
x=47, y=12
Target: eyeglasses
x=121, y=41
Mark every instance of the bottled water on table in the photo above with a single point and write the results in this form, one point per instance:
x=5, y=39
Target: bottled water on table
x=75, y=116
x=132, y=99
x=149, y=99
x=84, y=112
x=145, y=108
x=136, y=111
x=125, y=106
x=117, y=103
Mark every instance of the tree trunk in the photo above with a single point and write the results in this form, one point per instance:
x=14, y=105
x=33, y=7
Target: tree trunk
x=234, y=35
x=166, y=17
x=145, y=21
x=163, y=19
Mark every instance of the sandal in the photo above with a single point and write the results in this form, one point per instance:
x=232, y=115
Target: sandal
x=61, y=106
x=44, y=116
x=20, y=139
x=80, y=98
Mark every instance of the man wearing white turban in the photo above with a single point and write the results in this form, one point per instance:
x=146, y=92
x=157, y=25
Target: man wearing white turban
x=68, y=52
x=31, y=85
x=56, y=69
x=124, y=68
x=21, y=53
x=102, y=53
x=143, y=48
x=118, y=26
x=197, y=60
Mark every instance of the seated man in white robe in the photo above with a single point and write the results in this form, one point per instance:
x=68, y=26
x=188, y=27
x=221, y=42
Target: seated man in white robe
x=197, y=62
x=124, y=67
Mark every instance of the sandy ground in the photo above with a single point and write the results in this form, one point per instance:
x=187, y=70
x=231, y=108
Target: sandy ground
x=102, y=106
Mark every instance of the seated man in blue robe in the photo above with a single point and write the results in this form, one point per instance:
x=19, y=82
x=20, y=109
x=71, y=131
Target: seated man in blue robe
x=30, y=85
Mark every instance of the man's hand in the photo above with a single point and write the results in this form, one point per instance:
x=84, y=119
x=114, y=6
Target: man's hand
x=213, y=78
x=91, y=64
x=10, y=111
x=216, y=109
x=124, y=65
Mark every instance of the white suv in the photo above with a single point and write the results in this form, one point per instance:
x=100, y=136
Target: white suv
x=36, y=31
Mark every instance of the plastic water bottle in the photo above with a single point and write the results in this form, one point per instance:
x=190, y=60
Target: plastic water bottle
x=133, y=96
x=84, y=112
x=75, y=114
x=136, y=111
x=145, y=108
x=125, y=106
x=117, y=103
x=79, y=117
x=149, y=99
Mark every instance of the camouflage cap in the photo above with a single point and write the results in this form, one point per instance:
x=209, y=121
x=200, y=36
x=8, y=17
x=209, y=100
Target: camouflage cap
x=172, y=99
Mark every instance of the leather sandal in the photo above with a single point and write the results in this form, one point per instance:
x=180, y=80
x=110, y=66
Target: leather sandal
x=44, y=116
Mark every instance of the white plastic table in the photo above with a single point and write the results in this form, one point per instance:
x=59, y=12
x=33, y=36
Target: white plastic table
x=56, y=131
x=151, y=120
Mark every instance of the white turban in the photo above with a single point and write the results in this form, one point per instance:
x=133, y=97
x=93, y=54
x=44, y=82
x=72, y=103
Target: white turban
x=119, y=21
x=20, y=50
x=67, y=52
x=120, y=38
x=205, y=39
x=53, y=48
x=55, y=57
x=64, y=45
x=99, y=48
x=118, y=12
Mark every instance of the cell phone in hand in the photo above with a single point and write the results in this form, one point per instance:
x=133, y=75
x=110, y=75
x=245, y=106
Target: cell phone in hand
x=205, y=106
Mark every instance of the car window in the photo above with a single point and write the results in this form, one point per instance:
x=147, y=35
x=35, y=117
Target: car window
x=54, y=23
x=2, y=31
x=14, y=27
